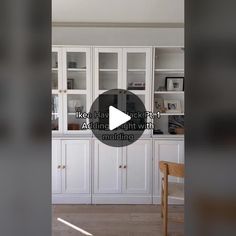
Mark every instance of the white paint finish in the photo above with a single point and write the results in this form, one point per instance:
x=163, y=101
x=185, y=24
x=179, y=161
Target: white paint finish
x=166, y=150
x=76, y=160
x=118, y=11
x=135, y=62
x=107, y=174
x=56, y=170
x=118, y=66
x=86, y=93
x=138, y=171
x=118, y=36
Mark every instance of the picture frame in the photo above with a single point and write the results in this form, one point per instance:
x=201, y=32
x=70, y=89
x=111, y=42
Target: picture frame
x=70, y=83
x=158, y=104
x=174, y=83
x=172, y=106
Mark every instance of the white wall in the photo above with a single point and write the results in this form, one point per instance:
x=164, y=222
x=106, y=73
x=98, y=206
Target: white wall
x=118, y=36
x=156, y=11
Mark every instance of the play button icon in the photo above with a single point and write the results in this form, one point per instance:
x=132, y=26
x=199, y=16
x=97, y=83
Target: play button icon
x=117, y=118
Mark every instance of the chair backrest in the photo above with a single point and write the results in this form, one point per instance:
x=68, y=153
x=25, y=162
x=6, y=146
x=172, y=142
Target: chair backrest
x=172, y=169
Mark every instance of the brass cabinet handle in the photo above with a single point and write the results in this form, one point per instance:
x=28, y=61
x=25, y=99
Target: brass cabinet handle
x=120, y=166
x=63, y=167
x=65, y=91
x=125, y=167
x=59, y=167
x=60, y=91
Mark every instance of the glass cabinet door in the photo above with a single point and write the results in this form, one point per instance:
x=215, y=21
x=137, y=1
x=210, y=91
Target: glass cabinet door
x=137, y=72
x=107, y=69
x=76, y=91
x=56, y=86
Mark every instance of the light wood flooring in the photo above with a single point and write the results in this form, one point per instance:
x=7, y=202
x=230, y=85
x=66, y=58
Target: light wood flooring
x=116, y=220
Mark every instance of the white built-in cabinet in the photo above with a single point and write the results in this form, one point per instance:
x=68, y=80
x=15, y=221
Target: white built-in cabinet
x=71, y=172
x=84, y=170
x=123, y=175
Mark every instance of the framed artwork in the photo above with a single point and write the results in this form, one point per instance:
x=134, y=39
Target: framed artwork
x=175, y=83
x=172, y=106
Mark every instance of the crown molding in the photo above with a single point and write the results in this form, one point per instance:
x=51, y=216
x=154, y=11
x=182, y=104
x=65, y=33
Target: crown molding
x=117, y=25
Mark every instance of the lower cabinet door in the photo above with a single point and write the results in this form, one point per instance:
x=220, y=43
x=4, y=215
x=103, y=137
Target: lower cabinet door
x=76, y=166
x=56, y=167
x=107, y=168
x=166, y=150
x=137, y=168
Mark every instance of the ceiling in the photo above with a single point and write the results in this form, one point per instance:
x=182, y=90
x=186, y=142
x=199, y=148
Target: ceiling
x=118, y=11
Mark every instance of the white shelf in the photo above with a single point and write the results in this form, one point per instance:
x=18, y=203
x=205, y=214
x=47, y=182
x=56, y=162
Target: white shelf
x=138, y=92
x=169, y=92
x=168, y=136
x=76, y=69
x=172, y=114
x=108, y=70
x=54, y=69
x=71, y=113
x=170, y=70
x=136, y=70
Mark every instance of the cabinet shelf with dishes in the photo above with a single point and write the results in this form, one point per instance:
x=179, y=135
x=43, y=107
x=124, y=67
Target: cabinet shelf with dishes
x=168, y=91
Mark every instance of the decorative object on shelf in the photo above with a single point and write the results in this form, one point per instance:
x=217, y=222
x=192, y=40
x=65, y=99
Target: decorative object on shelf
x=161, y=88
x=176, y=124
x=172, y=106
x=159, y=105
x=56, y=64
x=174, y=83
x=72, y=64
x=54, y=104
x=157, y=131
x=73, y=126
x=75, y=105
x=136, y=86
x=70, y=83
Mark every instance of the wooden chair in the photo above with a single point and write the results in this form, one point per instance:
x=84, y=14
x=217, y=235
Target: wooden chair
x=170, y=188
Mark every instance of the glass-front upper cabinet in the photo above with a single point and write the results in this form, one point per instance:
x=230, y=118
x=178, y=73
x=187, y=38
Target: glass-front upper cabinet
x=137, y=64
x=56, y=85
x=108, y=69
x=77, y=87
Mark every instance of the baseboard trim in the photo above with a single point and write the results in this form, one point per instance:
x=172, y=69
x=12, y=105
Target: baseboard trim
x=96, y=199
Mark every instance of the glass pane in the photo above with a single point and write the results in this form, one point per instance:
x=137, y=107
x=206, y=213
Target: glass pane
x=75, y=103
x=136, y=61
x=108, y=61
x=54, y=60
x=76, y=60
x=108, y=80
x=55, y=113
x=136, y=80
x=54, y=79
x=76, y=80
x=54, y=70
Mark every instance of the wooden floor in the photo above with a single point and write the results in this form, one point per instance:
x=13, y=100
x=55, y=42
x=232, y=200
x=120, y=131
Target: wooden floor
x=116, y=220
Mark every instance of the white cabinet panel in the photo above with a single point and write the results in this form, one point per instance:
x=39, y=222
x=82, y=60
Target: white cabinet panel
x=76, y=164
x=138, y=171
x=56, y=166
x=166, y=150
x=107, y=169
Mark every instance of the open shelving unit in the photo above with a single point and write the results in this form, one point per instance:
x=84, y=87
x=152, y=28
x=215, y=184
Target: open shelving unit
x=168, y=63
